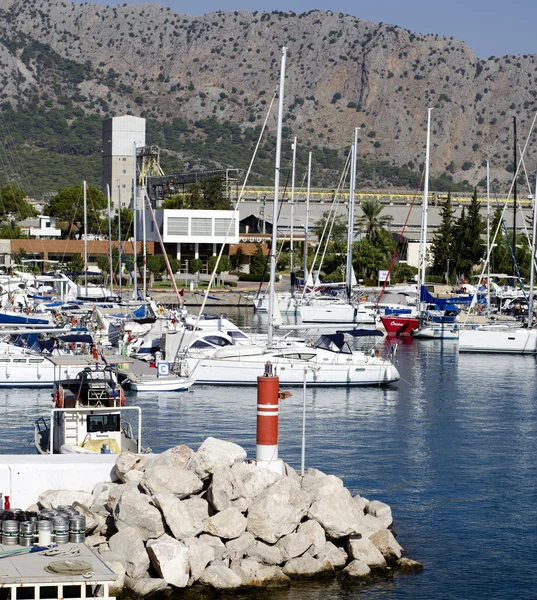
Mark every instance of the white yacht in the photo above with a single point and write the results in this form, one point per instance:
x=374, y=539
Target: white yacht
x=328, y=362
x=501, y=339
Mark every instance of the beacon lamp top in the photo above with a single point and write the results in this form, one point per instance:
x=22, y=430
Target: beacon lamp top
x=268, y=370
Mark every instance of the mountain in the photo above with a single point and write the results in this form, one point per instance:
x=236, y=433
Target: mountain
x=205, y=84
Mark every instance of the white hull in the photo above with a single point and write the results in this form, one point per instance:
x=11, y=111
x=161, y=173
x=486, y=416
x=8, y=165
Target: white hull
x=246, y=372
x=337, y=313
x=436, y=332
x=499, y=340
x=162, y=384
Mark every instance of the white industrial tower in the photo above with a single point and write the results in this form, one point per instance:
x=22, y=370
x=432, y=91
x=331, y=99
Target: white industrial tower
x=119, y=136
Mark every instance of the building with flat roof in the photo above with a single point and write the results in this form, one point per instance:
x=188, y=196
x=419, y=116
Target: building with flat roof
x=120, y=134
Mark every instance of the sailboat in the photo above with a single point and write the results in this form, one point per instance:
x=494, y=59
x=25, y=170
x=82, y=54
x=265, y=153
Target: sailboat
x=405, y=324
x=338, y=311
x=502, y=338
x=329, y=362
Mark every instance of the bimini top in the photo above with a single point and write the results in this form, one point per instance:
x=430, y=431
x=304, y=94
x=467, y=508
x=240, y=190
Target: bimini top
x=333, y=342
x=84, y=360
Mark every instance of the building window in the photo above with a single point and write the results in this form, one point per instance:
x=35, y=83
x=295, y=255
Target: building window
x=123, y=185
x=221, y=226
x=124, y=170
x=177, y=226
x=201, y=226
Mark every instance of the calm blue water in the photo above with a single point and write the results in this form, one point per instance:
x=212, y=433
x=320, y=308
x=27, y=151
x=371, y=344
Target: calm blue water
x=451, y=448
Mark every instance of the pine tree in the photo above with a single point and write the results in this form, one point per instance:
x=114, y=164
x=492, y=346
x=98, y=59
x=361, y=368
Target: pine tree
x=442, y=246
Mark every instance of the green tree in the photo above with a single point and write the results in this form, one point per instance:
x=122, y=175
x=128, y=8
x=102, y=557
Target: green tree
x=442, y=246
x=368, y=258
x=372, y=222
x=239, y=259
x=258, y=261
x=156, y=265
x=13, y=205
x=213, y=194
x=195, y=265
x=337, y=229
x=468, y=245
x=68, y=205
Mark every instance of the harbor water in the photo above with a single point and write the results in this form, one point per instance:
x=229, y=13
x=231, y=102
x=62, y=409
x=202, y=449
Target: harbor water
x=451, y=447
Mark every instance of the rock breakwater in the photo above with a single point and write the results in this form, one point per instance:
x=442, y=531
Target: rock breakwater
x=208, y=517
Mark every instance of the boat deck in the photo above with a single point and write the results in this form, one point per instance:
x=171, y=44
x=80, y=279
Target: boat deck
x=24, y=575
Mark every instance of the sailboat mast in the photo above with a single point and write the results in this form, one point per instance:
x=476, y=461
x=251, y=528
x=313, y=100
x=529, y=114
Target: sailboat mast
x=85, y=238
x=532, y=264
x=350, y=227
x=425, y=208
x=306, y=229
x=144, y=243
x=273, y=250
x=291, y=257
x=110, y=241
x=119, y=238
x=134, y=227
x=515, y=166
x=488, y=237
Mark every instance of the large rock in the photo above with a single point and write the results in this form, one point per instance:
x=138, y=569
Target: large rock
x=254, y=574
x=361, y=502
x=133, y=476
x=226, y=490
x=238, y=547
x=220, y=577
x=178, y=456
x=357, y=568
x=304, y=566
x=407, y=565
x=293, y=545
x=146, y=587
x=337, y=513
x=200, y=555
x=102, y=492
x=128, y=461
x=183, y=517
x=177, y=480
x=387, y=544
x=213, y=454
x=317, y=485
x=55, y=498
x=254, y=480
x=116, y=587
x=333, y=555
x=269, y=555
x=315, y=534
x=381, y=511
x=134, y=509
x=228, y=524
x=129, y=546
x=170, y=559
x=278, y=510
x=364, y=550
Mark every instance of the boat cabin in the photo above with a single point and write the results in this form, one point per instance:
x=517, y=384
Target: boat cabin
x=89, y=414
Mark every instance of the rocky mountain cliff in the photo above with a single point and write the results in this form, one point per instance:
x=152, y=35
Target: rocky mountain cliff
x=342, y=72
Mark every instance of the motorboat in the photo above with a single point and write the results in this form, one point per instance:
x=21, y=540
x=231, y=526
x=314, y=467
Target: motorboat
x=330, y=361
x=499, y=339
x=89, y=412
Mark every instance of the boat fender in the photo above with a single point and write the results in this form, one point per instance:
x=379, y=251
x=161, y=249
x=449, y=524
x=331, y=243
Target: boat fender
x=59, y=398
x=122, y=396
x=94, y=352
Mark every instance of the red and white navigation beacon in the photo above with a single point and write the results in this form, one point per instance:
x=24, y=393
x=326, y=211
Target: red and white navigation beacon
x=267, y=421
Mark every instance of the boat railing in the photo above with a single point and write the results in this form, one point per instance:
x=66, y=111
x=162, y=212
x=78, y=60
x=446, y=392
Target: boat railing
x=92, y=410
x=41, y=425
x=126, y=427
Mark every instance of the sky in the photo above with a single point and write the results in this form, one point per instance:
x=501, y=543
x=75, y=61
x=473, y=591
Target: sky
x=488, y=27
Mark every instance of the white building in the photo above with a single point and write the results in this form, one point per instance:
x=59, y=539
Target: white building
x=41, y=228
x=193, y=233
x=120, y=134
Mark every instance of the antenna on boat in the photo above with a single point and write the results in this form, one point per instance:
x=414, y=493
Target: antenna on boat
x=86, y=238
x=272, y=289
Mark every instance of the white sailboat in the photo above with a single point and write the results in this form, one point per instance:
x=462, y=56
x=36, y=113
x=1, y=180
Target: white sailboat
x=503, y=339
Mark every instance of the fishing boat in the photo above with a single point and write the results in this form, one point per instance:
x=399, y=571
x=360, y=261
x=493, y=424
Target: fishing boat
x=89, y=410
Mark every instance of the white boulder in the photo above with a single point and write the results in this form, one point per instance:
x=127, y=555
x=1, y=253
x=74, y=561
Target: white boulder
x=381, y=511
x=213, y=454
x=337, y=513
x=293, y=545
x=278, y=510
x=55, y=498
x=181, y=516
x=255, y=574
x=220, y=577
x=363, y=549
x=129, y=546
x=134, y=509
x=177, y=480
x=317, y=485
x=200, y=555
x=357, y=568
x=387, y=544
x=174, y=457
x=170, y=559
x=263, y=553
x=228, y=524
x=129, y=461
x=316, y=535
x=303, y=566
